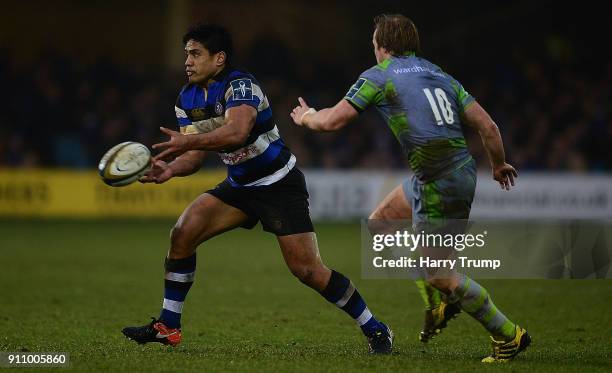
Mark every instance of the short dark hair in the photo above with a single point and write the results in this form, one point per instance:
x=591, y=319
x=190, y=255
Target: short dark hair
x=397, y=34
x=214, y=38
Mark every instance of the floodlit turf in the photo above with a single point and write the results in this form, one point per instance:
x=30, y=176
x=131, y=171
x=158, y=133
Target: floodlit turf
x=71, y=286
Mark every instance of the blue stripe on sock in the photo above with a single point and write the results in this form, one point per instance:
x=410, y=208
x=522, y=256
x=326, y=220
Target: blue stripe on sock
x=178, y=285
x=171, y=319
x=335, y=290
x=175, y=294
x=355, y=305
x=175, y=290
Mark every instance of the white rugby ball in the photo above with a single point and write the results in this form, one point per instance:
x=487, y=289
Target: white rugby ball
x=124, y=163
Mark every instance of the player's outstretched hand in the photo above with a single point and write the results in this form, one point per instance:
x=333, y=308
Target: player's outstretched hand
x=159, y=173
x=505, y=175
x=177, y=145
x=298, y=112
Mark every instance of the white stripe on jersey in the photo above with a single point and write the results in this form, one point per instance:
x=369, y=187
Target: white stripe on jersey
x=282, y=172
x=208, y=125
x=180, y=113
x=203, y=126
x=252, y=150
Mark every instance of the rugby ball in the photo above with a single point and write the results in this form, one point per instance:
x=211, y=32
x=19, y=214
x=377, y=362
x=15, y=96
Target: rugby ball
x=124, y=163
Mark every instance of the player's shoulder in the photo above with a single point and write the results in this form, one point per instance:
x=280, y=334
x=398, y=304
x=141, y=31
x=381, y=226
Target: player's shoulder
x=187, y=88
x=235, y=75
x=241, y=83
x=185, y=91
x=434, y=68
x=376, y=74
x=425, y=62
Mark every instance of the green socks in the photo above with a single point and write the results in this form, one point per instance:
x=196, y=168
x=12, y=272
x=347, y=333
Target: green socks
x=475, y=300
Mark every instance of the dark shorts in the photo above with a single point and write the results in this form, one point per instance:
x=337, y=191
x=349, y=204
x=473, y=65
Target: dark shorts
x=281, y=207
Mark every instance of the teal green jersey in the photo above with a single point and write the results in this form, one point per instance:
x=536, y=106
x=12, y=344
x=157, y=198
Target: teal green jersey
x=422, y=105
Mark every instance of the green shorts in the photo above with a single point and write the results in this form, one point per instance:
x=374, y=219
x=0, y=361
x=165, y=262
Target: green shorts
x=449, y=197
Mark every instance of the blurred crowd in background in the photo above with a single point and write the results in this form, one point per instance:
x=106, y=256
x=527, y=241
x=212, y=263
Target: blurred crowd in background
x=554, y=112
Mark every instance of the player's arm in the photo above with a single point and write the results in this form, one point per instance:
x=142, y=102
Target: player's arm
x=239, y=121
x=184, y=165
x=187, y=163
x=476, y=117
x=328, y=119
x=365, y=92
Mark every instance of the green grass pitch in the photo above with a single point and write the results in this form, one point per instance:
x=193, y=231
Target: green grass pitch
x=71, y=286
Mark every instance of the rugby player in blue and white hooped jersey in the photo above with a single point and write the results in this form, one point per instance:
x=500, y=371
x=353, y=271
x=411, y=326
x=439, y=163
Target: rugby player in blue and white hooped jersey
x=224, y=109
x=426, y=110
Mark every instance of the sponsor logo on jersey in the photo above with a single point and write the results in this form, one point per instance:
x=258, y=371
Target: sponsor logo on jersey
x=242, y=89
x=417, y=69
x=355, y=88
x=218, y=108
x=180, y=113
x=240, y=155
x=198, y=113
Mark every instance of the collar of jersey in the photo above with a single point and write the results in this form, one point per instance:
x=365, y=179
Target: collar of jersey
x=222, y=74
x=409, y=54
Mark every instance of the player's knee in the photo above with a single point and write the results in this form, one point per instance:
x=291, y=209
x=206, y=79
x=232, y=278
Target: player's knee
x=304, y=273
x=176, y=234
x=376, y=214
x=179, y=240
x=375, y=223
x=384, y=212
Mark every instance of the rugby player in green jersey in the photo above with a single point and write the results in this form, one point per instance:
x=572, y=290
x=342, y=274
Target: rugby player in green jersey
x=426, y=108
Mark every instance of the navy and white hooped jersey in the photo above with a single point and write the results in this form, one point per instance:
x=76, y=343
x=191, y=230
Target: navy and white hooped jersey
x=264, y=158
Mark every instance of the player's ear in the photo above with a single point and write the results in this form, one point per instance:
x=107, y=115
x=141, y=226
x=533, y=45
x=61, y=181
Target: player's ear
x=221, y=57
